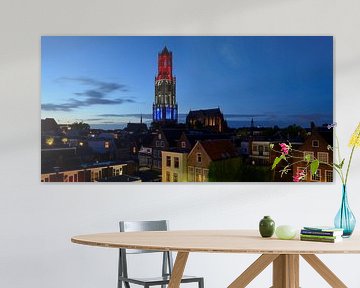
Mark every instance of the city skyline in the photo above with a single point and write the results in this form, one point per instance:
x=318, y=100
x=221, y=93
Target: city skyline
x=109, y=81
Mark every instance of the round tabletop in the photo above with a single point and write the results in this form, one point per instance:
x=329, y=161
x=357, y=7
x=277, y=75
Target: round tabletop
x=217, y=241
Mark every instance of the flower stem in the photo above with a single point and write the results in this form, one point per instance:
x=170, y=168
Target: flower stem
x=348, y=166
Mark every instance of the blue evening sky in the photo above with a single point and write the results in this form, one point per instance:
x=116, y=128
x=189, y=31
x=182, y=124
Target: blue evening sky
x=108, y=81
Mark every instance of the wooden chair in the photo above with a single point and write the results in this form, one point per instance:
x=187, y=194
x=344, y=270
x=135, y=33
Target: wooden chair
x=167, y=265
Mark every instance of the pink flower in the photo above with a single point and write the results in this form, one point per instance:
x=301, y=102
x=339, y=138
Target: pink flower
x=300, y=175
x=284, y=148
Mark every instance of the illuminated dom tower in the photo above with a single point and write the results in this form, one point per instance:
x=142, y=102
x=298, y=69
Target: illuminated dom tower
x=165, y=108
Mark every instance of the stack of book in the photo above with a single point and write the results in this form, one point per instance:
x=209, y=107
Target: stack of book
x=321, y=234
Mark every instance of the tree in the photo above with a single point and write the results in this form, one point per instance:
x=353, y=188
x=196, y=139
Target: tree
x=81, y=127
x=235, y=170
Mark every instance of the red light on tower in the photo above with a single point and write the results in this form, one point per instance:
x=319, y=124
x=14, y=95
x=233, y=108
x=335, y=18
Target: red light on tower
x=165, y=108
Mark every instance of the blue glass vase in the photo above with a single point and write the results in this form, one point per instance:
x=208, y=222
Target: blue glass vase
x=345, y=219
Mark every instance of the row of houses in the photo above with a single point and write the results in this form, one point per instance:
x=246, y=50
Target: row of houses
x=95, y=172
x=185, y=155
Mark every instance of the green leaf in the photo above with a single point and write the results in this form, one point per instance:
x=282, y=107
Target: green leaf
x=314, y=166
x=271, y=146
x=342, y=163
x=277, y=161
x=307, y=158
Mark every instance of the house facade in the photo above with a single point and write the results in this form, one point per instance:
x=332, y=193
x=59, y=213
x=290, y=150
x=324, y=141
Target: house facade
x=316, y=146
x=174, y=166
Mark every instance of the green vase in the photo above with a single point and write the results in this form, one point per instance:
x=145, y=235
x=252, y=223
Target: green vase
x=266, y=227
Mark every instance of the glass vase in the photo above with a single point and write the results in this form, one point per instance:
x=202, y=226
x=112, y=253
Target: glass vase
x=345, y=219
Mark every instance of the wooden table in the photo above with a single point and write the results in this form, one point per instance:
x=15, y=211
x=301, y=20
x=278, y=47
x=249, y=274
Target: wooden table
x=284, y=254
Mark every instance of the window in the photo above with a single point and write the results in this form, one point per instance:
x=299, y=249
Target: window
x=206, y=175
x=329, y=176
x=266, y=148
x=183, y=144
x=317, y=176
x=323, y=157
x=106, y=144
x=198, y=157
x=176, y=162
x=255, y=147
x=76, y=178
x=157, y=143
x=167, y=176
x=198, y=175
x=315, y=143
x=175, y=177
x=168, y=161
x=162, y=143
x=159, y=136
x=191, y=174
x=71, y=179
x=309, y=153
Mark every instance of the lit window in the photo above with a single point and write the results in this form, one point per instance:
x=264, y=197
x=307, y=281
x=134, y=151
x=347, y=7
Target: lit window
x=198, y=157
x=159, y=136
x=168, y=161
x=316, y=176
x=176, y=162
x=107, y=145
x=206, y=175
x=175, y=177
x=315, y=143
x=198, y=175
x=323, y=157
x=329, y=176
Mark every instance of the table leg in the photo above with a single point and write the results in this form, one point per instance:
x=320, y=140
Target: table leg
x=286, y=271
x=178, y=269
x=253, y=270
x=324, y=271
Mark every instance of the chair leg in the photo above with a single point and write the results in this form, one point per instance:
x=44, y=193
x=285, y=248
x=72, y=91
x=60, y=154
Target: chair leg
x=201, y=283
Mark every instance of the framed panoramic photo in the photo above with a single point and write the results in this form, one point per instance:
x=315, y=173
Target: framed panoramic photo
x=186, y=108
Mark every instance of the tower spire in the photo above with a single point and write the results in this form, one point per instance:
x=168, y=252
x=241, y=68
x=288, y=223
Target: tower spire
x=165, y=108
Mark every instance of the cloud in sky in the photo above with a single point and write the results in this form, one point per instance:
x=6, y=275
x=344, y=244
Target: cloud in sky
x=96, y=95
x=144, y=116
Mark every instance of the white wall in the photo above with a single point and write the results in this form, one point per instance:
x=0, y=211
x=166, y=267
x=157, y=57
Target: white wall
x=37, y=221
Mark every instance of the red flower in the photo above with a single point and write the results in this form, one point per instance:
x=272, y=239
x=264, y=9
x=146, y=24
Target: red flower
x=300, y=175
x=284, y=148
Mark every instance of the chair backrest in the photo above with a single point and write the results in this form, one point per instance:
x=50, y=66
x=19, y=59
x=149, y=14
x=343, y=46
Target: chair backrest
x=137, y=226
x=134, y=226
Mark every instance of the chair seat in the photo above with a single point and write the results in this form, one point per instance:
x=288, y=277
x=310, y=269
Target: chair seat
x=158, y=280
